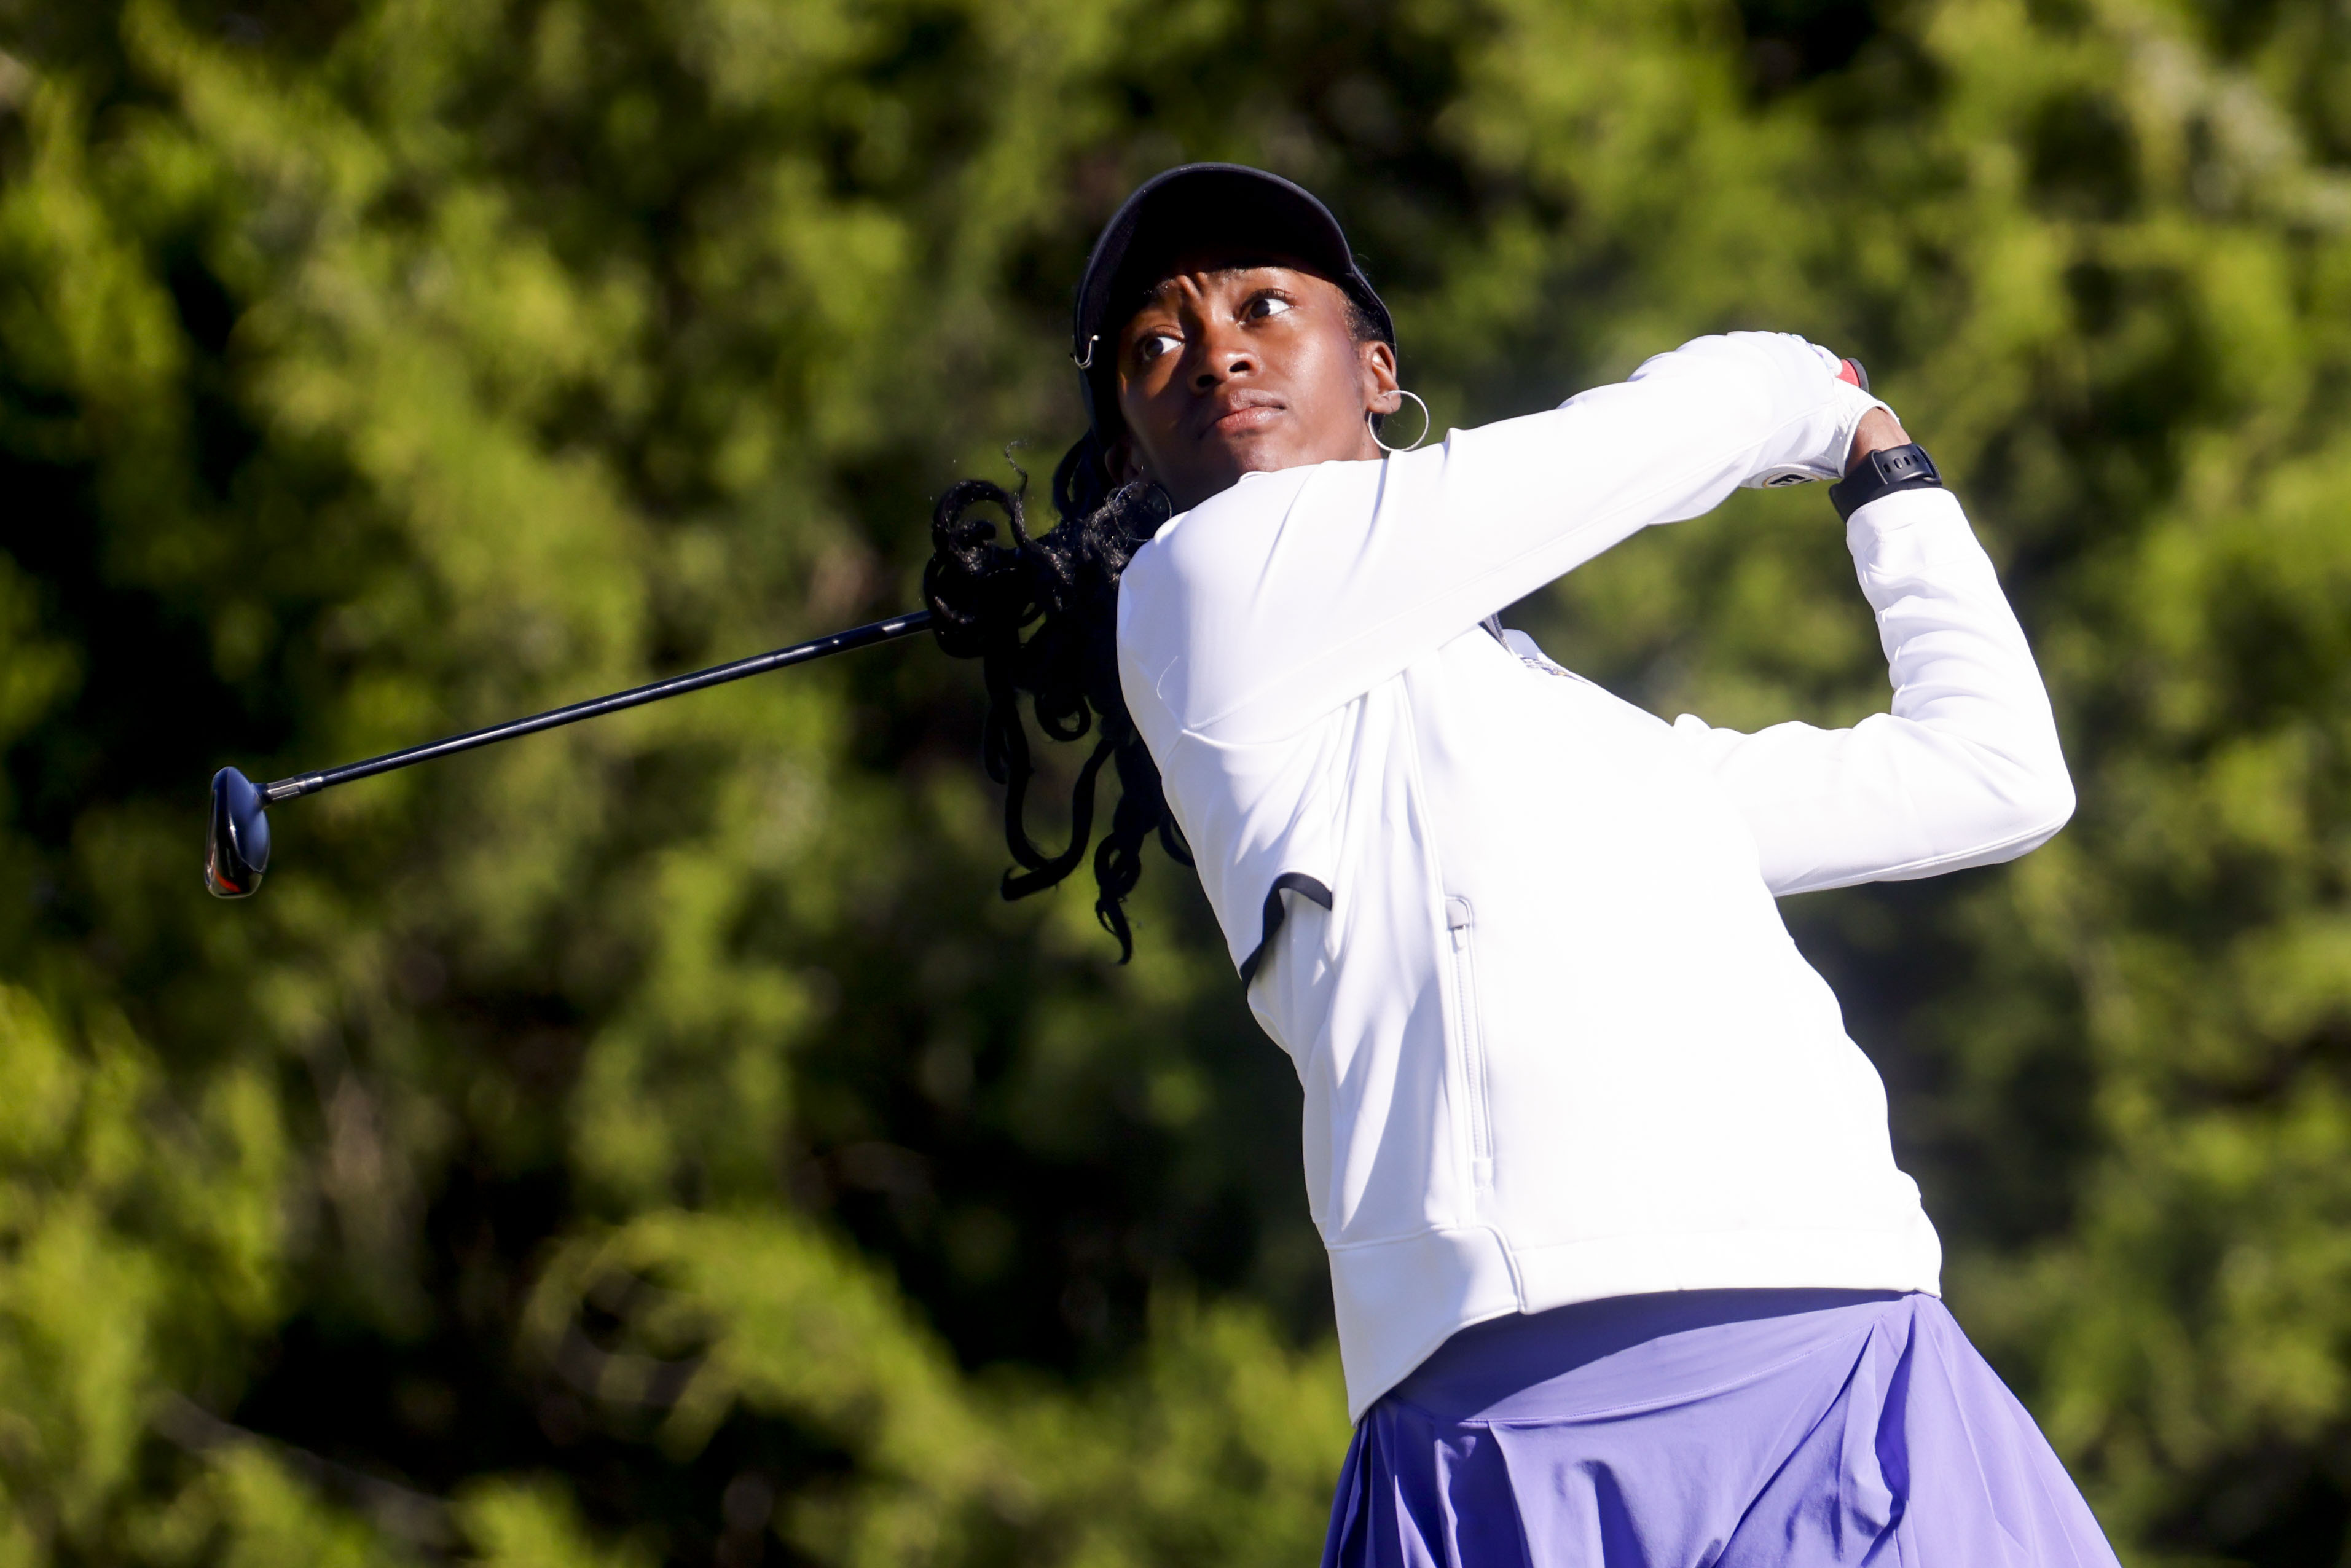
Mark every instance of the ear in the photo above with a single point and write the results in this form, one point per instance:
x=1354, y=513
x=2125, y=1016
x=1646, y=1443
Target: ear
x=1123, y=462
x=1378, y=364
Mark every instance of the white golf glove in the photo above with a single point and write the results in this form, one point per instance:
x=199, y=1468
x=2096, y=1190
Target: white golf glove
x=1852, y=385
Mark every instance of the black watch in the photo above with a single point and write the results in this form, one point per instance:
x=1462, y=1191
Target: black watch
x=1882, y=473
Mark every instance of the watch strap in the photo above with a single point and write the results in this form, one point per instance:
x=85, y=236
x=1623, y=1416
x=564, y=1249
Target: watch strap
x=1882, y=473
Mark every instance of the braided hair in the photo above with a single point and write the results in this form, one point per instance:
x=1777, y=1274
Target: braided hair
x=1040, y=616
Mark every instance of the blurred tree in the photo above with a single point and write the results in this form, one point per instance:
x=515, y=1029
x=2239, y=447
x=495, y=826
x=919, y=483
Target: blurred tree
x=652, y=1141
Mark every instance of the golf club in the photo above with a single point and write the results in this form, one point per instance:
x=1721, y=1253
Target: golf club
x=236, y=844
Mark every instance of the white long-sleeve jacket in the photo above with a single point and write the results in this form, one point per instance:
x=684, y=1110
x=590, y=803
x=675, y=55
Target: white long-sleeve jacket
x=1519, y=936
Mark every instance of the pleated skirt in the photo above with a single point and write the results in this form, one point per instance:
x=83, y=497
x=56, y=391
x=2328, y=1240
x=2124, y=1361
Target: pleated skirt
x=1709, y=1429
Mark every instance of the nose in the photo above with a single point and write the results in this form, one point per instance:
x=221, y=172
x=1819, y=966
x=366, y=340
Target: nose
x=1224, y=354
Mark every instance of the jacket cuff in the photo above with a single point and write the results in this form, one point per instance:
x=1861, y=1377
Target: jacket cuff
x=1907, y=531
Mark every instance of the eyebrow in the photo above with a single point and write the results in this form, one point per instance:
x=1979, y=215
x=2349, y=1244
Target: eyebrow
x=1151, y=296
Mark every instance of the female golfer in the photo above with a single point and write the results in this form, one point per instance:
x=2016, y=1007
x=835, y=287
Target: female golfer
x=1625, y=1270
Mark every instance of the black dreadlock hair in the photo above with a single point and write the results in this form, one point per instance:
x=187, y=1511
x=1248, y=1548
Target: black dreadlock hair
x=1064, y=583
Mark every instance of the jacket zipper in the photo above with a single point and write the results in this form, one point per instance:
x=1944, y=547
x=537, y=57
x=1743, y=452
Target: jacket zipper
x=1473, y=1043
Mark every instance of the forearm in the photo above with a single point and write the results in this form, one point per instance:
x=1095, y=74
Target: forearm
x=1800, y=409
x=1965, y=770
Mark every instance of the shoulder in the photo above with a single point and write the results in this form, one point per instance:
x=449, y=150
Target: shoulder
x=1222, y=544
x=1205, y=577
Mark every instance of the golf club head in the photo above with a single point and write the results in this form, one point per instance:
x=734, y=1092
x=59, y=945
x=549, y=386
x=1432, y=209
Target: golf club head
x=237, y=848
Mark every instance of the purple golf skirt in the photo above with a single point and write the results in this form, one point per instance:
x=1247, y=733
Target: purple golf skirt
x=1709, y=1430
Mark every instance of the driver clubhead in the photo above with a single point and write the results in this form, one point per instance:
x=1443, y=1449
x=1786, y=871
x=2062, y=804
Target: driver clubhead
x=237, y=849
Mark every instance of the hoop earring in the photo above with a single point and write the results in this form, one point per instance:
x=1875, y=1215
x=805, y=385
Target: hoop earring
x=1425, y=423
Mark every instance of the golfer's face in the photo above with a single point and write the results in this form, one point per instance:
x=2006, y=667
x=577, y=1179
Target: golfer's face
x=1236, y=369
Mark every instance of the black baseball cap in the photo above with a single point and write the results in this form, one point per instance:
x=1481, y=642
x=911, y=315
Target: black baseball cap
x=1186, y=208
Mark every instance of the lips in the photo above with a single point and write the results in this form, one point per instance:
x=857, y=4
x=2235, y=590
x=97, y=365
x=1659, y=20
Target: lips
x=1242, y=413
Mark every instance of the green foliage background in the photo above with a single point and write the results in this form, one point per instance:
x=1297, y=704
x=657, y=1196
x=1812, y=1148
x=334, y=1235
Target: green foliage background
x=655, y=1143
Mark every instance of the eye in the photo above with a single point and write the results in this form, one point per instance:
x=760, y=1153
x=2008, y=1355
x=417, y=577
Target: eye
x=1265, y=307
x=1149, y=346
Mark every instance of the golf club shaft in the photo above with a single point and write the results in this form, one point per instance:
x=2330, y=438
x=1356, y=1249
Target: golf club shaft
x=888, y=630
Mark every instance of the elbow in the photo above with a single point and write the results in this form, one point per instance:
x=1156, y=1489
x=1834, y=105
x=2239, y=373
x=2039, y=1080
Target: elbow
x=2052, y=792
x=2061, y=800
x=2041, y=802
x=2018, y=802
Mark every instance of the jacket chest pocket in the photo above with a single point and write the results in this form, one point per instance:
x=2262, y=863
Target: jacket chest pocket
x=1469, y=1038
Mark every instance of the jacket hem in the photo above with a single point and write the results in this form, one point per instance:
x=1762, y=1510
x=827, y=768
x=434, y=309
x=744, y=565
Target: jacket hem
x=1398, y=1300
